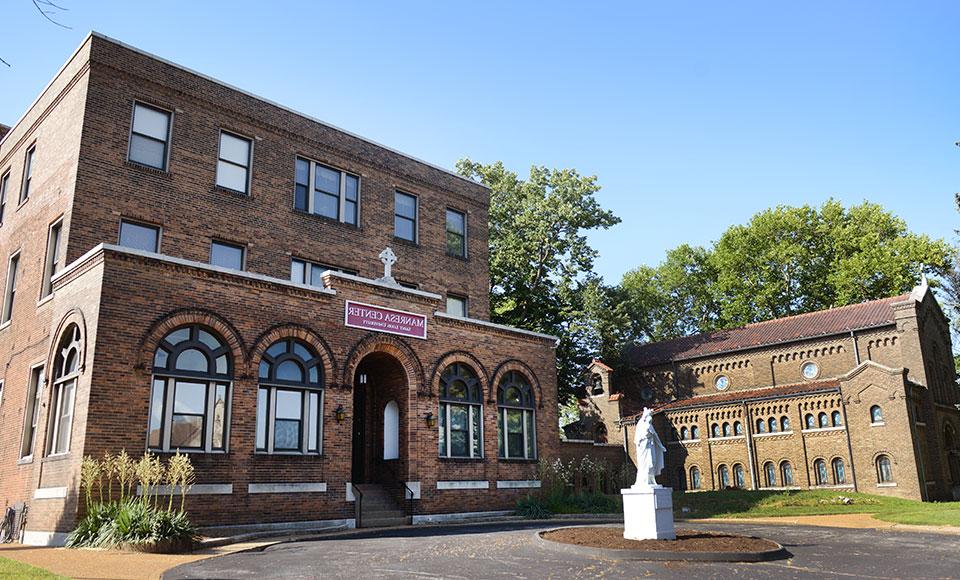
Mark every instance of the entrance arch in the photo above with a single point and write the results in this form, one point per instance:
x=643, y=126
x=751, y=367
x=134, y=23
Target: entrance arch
x=380, y=418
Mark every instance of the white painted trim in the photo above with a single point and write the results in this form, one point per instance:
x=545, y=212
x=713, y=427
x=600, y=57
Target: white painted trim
x=254, y=488
x=730, y=438
x=50, y=493
x=518, y=484
x=50, y=539
x=436, y=518
x=504, y=327
x=823, y=429
x=878, y=424
x=463, y=485
x=196, y=489
x=350, y=496
x=190, y=264
x=888, y=484
x=769, y=434
x=382, y=284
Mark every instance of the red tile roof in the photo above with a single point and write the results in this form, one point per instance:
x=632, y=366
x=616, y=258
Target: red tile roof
x=600, y=364
x=839, y=320
x=749, y=395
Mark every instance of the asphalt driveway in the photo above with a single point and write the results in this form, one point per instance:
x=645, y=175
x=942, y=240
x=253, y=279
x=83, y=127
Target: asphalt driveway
x=510, y=551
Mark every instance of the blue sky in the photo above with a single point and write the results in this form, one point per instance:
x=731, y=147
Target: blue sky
x=694, y=115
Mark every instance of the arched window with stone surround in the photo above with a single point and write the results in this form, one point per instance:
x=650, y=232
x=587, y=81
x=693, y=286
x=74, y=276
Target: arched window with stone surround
x=189, y=403
x=820, y=472
x=772, y=424
x=839, y=471
x=516, y=433
x=694, y=477
x=836, y=419
x=770, y=473
x=684, y=433
x=884, y=469
x=784, y=423
x=694, y=432
x=809, y=421
x=66, y=370
x=715, y=430
x=726, y=430
x=761, y=426
x=786, y=473
x=739, y=479
x=290, y=399
x=723, y=476
x=824, y=420
x=461, y=412
x=876, y=414
x=737, y=428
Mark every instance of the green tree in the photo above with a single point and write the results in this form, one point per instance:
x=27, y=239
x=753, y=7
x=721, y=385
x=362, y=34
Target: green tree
x=541, y=263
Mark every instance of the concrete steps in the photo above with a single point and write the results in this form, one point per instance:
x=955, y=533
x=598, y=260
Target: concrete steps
x=378, y=507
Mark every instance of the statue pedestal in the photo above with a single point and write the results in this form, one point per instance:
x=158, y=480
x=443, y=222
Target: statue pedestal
x=648, y=513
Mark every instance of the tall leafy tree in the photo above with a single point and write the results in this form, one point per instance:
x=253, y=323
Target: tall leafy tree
x=541, y=263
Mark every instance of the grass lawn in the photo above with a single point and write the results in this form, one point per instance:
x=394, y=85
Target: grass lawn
x=751, y=504
x=13, y=569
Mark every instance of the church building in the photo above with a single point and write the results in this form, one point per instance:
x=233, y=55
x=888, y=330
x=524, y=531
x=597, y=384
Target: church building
x=189, y=267
x=860, y=398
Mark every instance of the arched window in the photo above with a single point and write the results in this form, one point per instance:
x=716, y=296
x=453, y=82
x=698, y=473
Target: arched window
x=738, y=477
x=836, y=418
x=694, y=477
x=839, y=473
x=66, y=369
x=391, y=431
x=770, y=472
x=824, y=420
x=189, y=405
x=461, y=413
x=761, y=426
x=786, y=473
x=715, y=430
x=820, y=471
x=694, y=432
x=290, y=399
x=884, y=469
x=809, y=421
x=517, y=433
x=737, y=428
x=723, y=476
x=876, y=414
x=784, y=423
x=772, y=424
x=953, y=454
x=726, y=430
x=683, y=433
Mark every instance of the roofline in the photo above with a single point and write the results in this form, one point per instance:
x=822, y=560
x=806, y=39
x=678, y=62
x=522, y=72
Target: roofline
x=769, y=344
x=278, y=105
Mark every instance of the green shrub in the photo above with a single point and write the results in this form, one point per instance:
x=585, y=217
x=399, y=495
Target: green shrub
x=131, y=522
x=532, y=509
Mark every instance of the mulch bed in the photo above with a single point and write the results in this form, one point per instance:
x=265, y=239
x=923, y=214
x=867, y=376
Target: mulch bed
x=687, y=541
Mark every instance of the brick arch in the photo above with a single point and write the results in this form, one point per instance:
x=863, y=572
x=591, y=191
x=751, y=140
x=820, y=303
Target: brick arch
x=523, y=369
x=74, y=316
x=292, y=330
x=393, y=346
x=459, y=356
x=186, y=317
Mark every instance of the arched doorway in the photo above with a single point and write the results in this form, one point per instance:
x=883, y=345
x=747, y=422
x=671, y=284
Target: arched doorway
x=379, y=420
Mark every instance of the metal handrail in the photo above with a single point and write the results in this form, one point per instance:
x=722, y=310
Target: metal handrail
x=358, y=508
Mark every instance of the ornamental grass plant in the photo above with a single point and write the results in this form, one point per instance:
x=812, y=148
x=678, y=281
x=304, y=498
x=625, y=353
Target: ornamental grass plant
x=137, y=518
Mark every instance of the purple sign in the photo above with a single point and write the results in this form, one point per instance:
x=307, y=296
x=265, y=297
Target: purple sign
x=369, y=317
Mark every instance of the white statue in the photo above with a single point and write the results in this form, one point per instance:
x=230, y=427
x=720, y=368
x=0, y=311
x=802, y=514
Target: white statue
x=649, y=452
x=389, y=259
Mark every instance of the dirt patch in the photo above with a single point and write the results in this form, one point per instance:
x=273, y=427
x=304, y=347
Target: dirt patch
x=687, y=541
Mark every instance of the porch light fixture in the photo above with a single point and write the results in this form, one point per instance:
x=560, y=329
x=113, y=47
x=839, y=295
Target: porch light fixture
x=431, y=420
x=339, y=413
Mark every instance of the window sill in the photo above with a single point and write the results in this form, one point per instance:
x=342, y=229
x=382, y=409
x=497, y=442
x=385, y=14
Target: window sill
x=823, y=429
x=462, y=459
x=405, y=242
x=287, y=454
x=458, y=257
x=45, y=300
x=187, y=451
x=891, y=484
x=148, y=169
x=726, y=438
x=233, y=192
x=6, y=324
x=25, y=460
x=517, y=460
x=325, y=219
x=879, y=424
x=54, y=457
x=21, y=204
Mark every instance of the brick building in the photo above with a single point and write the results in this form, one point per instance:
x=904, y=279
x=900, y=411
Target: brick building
x=861, y=397
x=188, y=266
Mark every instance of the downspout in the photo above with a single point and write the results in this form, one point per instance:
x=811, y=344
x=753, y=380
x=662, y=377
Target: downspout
x=748, y=434
x=856, y=348
x=846, y=427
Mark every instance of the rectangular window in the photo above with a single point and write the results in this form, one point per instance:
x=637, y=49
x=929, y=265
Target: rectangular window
x=460, y=430
x=226, y=255
x=405, y=216
x=456, y=305
x=4, y=187
x=27, y=173
x=335, y=194
x=233, y=166
x=310, y=273
x=289, y=420
x=139, y=236
x=188, y=414
x=516, y=437
x=11, y=292
x=64, y=394
x=149, y=137
x=456, y=234
x=53, y=261
x=31, y=412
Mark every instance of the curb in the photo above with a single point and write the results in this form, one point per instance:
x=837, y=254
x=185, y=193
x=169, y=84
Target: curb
x=779, y=553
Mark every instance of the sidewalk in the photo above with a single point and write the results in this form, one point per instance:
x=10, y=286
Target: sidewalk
x=858, y=521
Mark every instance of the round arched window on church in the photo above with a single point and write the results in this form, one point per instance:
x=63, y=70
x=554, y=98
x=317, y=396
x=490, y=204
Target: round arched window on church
x=810, y=370
x=721, y=382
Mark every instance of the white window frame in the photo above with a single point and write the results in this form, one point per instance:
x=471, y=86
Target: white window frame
x=249, y=166
x=31, y=412
x=472, y=408
x=526, y=435
x=51, y=264
x=166, y=419
x=416, y=214
x=311, y=187
x=309, y=265
x=464, y=299
x=166, y=142
x=10, y=288
x=271, y=418
x=28, y=162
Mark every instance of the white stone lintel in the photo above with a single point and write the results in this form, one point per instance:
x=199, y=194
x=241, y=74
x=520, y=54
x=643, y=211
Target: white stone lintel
x=50, y=493
x=463, y=485
x=255, y=488
x=196, y=489
x=518, y=484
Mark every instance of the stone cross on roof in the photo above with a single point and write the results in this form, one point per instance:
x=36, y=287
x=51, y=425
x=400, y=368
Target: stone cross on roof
x=389, y=259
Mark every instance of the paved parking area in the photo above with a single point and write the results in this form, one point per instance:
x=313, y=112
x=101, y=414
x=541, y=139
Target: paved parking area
x=510, y=551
